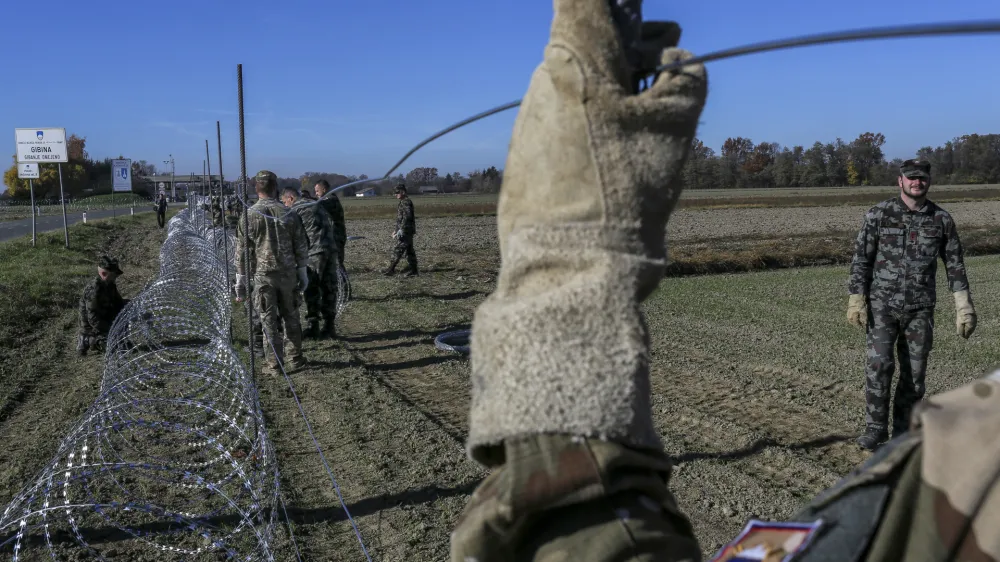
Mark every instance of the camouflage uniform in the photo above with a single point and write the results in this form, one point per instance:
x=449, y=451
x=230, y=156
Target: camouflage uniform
x=99, y=305
x=161, y=212
x=895, y=266
x=929, y=495
x=321, y=294
x=406, y=228
x=279, y=245
x=217, y=215
x=335, y=210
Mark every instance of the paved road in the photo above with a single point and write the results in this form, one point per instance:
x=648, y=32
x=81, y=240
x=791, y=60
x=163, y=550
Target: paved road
x=53, y=221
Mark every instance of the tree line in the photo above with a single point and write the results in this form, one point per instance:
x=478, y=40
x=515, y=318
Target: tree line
x=740, y=164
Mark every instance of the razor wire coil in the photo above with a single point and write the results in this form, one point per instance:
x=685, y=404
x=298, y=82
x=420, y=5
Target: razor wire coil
x=173, y=456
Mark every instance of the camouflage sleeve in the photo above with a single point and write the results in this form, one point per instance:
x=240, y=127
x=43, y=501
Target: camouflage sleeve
x=300, y=242
x=241, y=265
x=409, y=223
x=92, y=308
x=953, y=256
x=865, y=247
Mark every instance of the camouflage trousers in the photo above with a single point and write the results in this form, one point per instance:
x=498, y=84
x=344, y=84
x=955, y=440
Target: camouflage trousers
x=274, y=297
x=90, y=336
x=321, y=294
x=560, y=498
x=404, y=246
x=910, y=335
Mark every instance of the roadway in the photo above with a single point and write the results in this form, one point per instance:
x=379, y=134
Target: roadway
x=53, y=220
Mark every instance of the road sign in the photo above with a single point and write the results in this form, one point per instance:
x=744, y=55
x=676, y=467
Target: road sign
x=27, y=171
x=162, y=185
x=41, y=145
x=121, y=170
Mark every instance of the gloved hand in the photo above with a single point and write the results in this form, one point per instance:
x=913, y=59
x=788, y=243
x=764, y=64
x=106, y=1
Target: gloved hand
x=303, y=279
x=241, y=288
x=592, y=175
x=397, y=235
x=857, y=311
x=965, y=314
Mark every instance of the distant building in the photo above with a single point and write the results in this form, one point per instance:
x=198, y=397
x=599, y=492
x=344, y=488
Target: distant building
x=370, y=192
x=429, y=189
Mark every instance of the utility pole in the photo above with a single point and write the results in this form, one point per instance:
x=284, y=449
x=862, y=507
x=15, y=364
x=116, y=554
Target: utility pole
x=173, y=188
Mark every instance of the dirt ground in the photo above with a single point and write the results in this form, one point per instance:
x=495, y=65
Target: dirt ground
x=756, y=377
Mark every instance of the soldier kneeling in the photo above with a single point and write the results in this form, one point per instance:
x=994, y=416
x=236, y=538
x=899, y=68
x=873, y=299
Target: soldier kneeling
x=100, y=304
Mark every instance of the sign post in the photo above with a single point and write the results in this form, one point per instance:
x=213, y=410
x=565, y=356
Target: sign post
x=45, y=146
x=30, y=172
x=122, y=173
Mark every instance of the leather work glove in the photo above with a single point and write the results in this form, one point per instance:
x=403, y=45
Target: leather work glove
x=591, y=177
x=965, y=314
x=857, y=311
x=241, y=288
x=397, y=235
x=303, y=279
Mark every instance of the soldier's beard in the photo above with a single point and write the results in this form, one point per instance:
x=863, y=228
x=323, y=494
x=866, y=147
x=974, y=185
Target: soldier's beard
x=916, y=196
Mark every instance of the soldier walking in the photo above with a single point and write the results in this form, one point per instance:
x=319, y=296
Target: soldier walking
x=331, y=203
x=406, y=228
x=892, y=289
x=100, y=304
x=321, y=295
x=161, y=210
x=278, y=243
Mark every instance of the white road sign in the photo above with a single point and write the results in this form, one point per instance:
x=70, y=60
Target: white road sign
x=121, y=170
x=41, y=145
x=162, y=185
x=27, y=171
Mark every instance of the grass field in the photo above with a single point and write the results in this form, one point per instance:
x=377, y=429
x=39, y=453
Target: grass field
x=757, y=377
x=485, y=204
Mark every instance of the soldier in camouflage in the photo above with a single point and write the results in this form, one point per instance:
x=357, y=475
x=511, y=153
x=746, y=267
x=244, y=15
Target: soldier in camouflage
x=892, y=289
x=331, y=203
x=100, y=304
x=321, y=295
x=278, y=243
x=406, y=228
x=217, y=214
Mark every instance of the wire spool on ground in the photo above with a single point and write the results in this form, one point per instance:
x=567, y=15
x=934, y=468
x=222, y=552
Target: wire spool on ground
x=454, y=342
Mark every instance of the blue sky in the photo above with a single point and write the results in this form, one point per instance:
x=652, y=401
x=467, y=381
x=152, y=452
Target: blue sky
x=349, y=87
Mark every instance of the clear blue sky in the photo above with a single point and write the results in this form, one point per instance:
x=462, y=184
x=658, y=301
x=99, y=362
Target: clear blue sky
x=349, y=87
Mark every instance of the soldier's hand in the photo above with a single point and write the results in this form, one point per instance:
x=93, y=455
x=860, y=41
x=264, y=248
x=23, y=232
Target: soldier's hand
x=965, y=314
x=857, y=313
x=303, y=279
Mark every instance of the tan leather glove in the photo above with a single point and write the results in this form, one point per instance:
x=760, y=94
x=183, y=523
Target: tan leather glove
x=965, y=314
x=857, y=311
x=591, y=177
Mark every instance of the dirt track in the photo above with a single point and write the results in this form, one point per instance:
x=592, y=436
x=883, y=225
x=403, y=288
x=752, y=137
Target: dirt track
x=757, y=392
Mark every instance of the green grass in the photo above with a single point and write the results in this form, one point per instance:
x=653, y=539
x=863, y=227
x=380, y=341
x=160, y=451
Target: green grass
x=798, y=316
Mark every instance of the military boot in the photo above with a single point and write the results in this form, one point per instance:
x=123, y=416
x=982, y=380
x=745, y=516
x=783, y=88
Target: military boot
x=312, y=332
x=873, y=437
x=391, y=270
x=329, y=328
x=411, y=272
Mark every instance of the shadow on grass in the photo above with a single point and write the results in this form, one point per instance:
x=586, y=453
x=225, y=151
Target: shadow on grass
x=759, y=445
x=297, y=515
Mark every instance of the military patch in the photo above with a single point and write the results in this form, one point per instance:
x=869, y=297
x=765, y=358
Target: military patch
x=768, y=542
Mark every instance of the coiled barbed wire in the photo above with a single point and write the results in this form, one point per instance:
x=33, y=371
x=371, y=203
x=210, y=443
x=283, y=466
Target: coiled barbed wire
x=173, y=456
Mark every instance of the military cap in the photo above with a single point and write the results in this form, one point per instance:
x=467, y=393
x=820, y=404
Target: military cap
x=915, y=168
x=109, y=263
x=400, y=188
x=266, y=178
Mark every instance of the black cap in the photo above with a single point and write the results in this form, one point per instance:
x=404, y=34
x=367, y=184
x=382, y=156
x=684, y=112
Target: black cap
x=110, y=264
